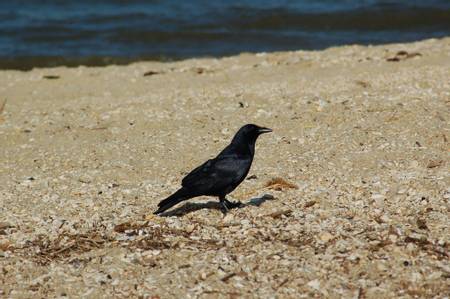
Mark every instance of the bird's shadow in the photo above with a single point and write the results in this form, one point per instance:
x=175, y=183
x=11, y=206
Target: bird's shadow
x=190, y=207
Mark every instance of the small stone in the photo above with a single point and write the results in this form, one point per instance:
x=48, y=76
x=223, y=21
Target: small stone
x=190, y=228
x=393, y=238
x=441, y=242
x=4, y=244
x=341, y=246
x=384, y=218
x=382, y=266
x=402, y=191
x=434, y=163
x=416, y=277
x=414, y=164
x=326, y=236
x=228, y=218
x=315, y=284
x=150, y=217
x=4, y=225
x=421, y=223
x=245, y=223
x=434, y=276
x=376, y=292
x=377, y=196
x=354, y=258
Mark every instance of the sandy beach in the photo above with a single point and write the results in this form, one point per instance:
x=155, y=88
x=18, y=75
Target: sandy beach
x=348, y=197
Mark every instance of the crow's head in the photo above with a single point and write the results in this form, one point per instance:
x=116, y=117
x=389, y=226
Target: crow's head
x=249, y=133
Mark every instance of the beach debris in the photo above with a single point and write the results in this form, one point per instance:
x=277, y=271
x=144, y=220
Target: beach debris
x=362, y=83
x=286, y=280
x=314, y=284
x=45, y=249
x=417, y=238
x=421, y=223
x=322, y=105
x=51, y=77
x=2, y=106
x=252, y=177
x=5, y=225
x=122, y=227
x=202, y=70
x=434, y=163
x=402, y=55
x=309, y=203
x=152, y=73
x=5, y=244
x=278, y=214
x=228, y=276
x=280, y=184
x=326, y=236
x=243, y=104
x=151, y=217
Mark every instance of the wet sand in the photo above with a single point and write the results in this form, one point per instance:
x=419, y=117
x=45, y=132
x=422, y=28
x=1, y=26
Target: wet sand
x=360, y=142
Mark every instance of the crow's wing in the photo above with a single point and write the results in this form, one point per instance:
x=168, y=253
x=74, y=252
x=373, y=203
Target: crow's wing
x=197, y=172
x=219, y=175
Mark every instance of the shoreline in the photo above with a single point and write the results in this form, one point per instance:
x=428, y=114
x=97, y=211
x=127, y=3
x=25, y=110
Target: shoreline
x=28, y=63
x=360, y=135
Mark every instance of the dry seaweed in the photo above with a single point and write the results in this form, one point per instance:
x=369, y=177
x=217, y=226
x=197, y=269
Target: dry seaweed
x=152, y=73
x=280, y=184
x=2, y=106
x=44, y=250
x=51, y=77
x=402, y=55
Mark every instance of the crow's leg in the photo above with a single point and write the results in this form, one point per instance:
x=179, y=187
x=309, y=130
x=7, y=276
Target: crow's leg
x=223, y=202
x=231, y=204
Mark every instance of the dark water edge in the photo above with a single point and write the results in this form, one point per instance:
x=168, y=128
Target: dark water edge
x=49, y=33
x=30, y=62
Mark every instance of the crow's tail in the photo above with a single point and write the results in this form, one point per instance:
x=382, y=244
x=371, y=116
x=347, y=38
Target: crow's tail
x=179, y=196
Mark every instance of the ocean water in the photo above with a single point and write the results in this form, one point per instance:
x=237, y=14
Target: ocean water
x=44, y=33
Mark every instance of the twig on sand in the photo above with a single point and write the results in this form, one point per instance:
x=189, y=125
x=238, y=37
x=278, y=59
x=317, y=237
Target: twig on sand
x=228, y=276
x=2, y=106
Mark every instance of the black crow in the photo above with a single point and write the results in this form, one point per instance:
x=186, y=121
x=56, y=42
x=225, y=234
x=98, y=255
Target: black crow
x=221, y=175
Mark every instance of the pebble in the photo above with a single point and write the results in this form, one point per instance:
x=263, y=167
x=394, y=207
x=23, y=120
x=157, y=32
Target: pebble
x=315, y=284
x=5, y=225
x=4, y=244
x=326, y=236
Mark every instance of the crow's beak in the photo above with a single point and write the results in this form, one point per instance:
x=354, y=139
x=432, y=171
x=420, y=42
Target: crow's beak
x=264, y=130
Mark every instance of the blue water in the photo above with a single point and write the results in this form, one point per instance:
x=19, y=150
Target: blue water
x=43, y=32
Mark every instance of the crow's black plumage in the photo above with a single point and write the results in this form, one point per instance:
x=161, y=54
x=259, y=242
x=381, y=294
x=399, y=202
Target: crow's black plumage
x=221, y=175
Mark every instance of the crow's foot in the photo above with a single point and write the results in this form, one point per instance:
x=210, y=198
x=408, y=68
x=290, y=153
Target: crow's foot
x=232, y=205
x=228, y=205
